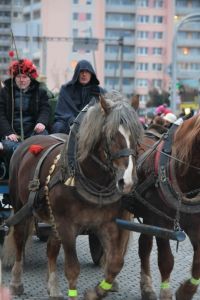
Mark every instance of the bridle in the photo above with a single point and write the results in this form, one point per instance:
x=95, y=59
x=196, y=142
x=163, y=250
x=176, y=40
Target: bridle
x=111, y=156
x=106, y=165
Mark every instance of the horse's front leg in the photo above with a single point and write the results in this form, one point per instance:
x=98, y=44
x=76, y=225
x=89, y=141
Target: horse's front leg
x=72, y=266
x=115, y=243
x=145, y=247
x=166, y=264
x=187, y=289
x=53, y=248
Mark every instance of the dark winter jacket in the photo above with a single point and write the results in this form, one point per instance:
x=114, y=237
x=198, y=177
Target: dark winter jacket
x=73, y=96
x=36, y=111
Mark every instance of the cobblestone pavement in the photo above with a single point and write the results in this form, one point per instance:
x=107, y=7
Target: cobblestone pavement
x=35, y=270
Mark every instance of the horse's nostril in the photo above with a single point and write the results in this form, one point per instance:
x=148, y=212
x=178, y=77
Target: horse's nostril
x=121, y=184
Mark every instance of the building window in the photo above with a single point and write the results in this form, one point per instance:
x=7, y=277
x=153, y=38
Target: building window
x=143, y=3
x=157, y=51
x=158, y=35
x=75, y=1
x=141, y=82
x=111, y=65
x=75, y=16
x=27, y=17
x=143, y=19
x=119, y=32
x=158, y=3
x=27, y=2
x=157, y=83
x=142, y=50
x=88, y=2
x=111, y=81
x=88, y=16
x=127, y=65
x=75, y=32
x=112, y=49
x=143, y=35
x=128, y=81
x=142, y=66
x=157, y=19
x=36, y=14
x=119, y=2
x=157, y=67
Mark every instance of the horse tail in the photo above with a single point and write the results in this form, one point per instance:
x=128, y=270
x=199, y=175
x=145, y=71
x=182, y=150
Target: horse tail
x=9, y=245
x=9, y=249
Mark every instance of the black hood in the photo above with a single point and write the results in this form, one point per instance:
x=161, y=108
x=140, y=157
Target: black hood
x=84, y=65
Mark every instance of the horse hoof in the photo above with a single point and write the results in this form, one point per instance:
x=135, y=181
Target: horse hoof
x=166, y=294
x=17, y=290
x=115, y=287
x=91, y=295
x=150, y=295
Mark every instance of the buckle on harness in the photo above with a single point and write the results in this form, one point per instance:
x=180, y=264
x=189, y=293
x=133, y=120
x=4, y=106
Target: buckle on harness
x=34, y=185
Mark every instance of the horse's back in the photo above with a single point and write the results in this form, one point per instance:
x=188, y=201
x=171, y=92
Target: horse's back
x=33, y=152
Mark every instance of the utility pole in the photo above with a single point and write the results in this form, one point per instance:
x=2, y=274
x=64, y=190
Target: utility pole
x=44, y=56
x=121, y=48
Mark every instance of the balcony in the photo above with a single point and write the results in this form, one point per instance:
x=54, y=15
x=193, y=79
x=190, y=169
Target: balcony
x=121, y=8
x=188, y=58
x=4, y=7
x=120, y=25
x=186, y=10
x=4, y=31
x=188, y=42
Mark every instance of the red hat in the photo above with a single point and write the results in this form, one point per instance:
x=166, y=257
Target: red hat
x=23, y=66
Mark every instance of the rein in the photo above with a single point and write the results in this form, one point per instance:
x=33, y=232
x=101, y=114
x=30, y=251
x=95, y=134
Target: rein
x=170, y=156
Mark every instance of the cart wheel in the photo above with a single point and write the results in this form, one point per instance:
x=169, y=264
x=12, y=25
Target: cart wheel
x=96, y=248
x=42, y=231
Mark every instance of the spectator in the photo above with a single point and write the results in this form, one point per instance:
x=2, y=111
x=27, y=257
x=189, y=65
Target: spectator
x=169, y=119
x=162, y=110
x=75, y=95
x=24, y=106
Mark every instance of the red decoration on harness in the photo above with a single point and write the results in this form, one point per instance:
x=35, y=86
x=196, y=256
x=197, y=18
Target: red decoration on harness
x=11, y=53
x=35, y=149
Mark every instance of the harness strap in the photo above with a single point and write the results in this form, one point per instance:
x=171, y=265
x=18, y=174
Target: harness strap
x=34, y=185
x=123, y=153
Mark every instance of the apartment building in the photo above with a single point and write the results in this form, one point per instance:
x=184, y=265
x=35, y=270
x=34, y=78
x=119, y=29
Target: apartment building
x=129, y=42
x=188, y=51
x=9, y=12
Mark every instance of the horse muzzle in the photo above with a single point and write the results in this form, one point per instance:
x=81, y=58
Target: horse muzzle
x=125, y=185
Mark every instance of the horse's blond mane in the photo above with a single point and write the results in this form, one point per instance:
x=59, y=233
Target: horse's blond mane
x=96, y=123
x=184, y=141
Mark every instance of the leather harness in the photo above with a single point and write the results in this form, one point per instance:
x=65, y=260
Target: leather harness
x=159, y=177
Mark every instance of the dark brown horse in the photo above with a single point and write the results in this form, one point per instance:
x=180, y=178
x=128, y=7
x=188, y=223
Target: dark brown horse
x=83, y=197
x=168, y=195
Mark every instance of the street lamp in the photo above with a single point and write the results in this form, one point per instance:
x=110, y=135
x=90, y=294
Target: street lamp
x=195, y=17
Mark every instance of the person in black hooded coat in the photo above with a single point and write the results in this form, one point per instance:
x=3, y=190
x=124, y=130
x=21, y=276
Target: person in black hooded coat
x=75, y=95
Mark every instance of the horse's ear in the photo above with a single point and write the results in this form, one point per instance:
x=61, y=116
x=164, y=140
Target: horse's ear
x=105, y=105
x=135, y=101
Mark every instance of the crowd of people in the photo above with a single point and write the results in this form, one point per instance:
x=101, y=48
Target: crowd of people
x=162, y=116
x=24, y=103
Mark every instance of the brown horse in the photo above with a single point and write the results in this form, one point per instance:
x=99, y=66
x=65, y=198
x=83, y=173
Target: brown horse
x=85, y=197
x=168, y=195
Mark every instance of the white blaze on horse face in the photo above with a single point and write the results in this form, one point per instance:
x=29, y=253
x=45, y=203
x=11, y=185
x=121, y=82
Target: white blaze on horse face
x=128, y=178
